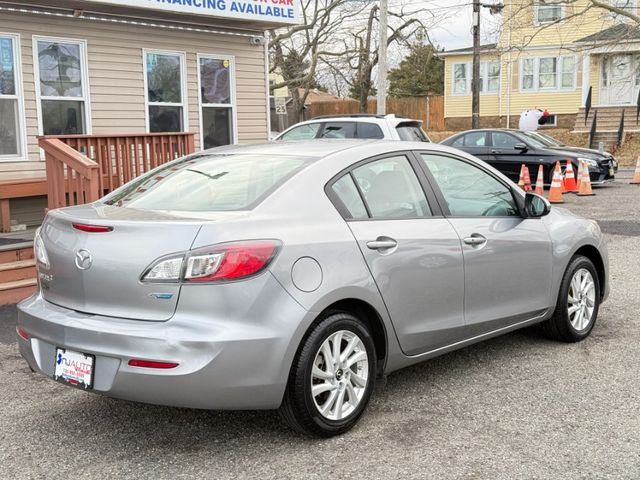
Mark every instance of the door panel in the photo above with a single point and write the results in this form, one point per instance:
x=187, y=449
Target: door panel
x=508, y=277
x=414, y=258
x=507, y=259
x=506, y=158
x=421, y=280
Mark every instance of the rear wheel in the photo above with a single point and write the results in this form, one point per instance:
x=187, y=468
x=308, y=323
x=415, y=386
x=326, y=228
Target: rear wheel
x=332, y=377
x=578, y=302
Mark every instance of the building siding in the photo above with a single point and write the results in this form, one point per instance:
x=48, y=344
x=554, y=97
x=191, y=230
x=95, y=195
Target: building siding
x=557, y=101
x=116, y=77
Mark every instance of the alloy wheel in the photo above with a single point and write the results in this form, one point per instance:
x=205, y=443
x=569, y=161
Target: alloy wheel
x=581, y=299
x=340, y=374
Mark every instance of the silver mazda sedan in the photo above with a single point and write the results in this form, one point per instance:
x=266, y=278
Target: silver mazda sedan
x=291, y=276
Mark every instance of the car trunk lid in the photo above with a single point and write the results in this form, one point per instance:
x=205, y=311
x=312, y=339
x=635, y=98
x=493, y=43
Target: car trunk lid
x=99, y=272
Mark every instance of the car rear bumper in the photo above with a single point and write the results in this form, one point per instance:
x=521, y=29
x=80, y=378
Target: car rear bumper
x=223, y=362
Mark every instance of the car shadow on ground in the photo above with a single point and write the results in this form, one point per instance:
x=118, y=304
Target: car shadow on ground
x=100, y=418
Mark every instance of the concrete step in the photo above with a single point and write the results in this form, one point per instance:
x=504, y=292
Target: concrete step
x=14, y=292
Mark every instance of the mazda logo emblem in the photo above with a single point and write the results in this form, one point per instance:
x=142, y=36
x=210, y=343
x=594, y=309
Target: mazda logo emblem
x=83, y=259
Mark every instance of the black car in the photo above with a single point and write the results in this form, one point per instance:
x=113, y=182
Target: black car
x=507, y=150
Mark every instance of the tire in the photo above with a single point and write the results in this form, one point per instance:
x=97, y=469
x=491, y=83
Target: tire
x=566, y=326
x=300, y=409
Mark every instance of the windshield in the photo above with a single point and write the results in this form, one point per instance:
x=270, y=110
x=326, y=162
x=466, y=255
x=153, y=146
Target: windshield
x=541, y=140
x=209, y=183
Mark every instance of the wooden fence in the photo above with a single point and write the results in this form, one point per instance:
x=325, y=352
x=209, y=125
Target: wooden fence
x=428, y=109
x=82, y=168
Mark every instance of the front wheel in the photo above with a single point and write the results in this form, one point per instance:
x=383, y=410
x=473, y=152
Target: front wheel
x=578, y=302
x=332, y=377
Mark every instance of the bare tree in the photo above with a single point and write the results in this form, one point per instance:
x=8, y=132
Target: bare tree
x=309, y=42
x=355, y=67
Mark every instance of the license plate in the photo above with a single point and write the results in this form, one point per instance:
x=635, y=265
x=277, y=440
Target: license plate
x=611, y=171
x=74, y=368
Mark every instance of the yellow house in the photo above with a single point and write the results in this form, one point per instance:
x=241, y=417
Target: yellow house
x=557, y=56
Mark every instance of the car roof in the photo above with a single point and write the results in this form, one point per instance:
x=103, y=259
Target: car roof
x=324, y=147
x=307, y=148
x=359, y=117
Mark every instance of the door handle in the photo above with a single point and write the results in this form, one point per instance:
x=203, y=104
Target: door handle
x=495, y=151
x=382, y=243
x=475, y=240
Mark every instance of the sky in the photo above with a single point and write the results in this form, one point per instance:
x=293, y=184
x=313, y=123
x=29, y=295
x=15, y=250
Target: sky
x=454, y=31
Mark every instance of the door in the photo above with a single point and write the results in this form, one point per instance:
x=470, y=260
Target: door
x=414, y=257
x=618, y=78
x=507, y=158
x=476, y=143
x=507, y=259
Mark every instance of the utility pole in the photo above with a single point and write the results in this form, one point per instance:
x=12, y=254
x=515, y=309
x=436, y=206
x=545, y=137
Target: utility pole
x=382, y=61
x=475, y=76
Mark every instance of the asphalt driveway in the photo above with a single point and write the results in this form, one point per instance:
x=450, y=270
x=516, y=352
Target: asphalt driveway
x=519, y=406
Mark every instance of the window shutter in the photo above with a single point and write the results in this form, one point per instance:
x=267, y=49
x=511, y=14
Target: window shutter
x=515, y=75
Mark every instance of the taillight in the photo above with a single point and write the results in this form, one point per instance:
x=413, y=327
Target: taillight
x=91, y=228
x=230, y=261
x=217, y=263
x=168, y=269
x=39, y=251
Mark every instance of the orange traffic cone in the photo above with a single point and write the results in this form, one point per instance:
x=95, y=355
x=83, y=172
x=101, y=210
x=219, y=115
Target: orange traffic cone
x=579, y=176
x=555, y=193
x=569, y=178
x=540, y=181
x=521, y=179
x=527, y=179
x=636, y=175
x=585, y=182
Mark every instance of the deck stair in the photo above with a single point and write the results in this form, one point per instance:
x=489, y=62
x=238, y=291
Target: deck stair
x=17, y=272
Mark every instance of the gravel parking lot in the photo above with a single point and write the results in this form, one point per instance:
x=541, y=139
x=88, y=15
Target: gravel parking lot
x=519, y=406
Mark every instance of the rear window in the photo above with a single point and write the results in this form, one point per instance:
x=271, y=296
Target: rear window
x=209, y=183
x=339, y=130
x=411, y=133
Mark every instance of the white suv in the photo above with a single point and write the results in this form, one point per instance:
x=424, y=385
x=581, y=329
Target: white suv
x=388, y=127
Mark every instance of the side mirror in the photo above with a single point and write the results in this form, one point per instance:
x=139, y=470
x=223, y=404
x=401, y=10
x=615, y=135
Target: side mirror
x=522, y=147
x=536, y=206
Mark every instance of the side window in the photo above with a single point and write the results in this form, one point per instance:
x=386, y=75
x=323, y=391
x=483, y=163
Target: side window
x=458, y=142
x=475, y=139
x=468, y=190
x=347, y=192
x=391, y=189
x=369, y=130
x=339, y=130
x=504, y=140
x=303, y=132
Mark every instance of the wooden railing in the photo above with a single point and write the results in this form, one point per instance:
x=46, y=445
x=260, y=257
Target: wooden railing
x=82, y=168
x=72, y=178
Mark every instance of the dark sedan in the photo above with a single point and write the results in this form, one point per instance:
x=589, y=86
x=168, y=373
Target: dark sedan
x=507, y=150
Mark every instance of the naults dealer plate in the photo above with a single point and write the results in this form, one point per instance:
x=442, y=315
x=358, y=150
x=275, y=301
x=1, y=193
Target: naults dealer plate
x=74, y=368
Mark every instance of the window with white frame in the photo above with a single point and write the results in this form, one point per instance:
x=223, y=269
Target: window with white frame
x=61, y=85
x=548, y=73
x=489, y=77
x=11, y=116
x=549, y=13
x=165, y=91
x=217, y=100
x=461, y=78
